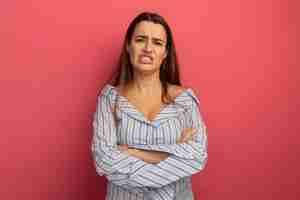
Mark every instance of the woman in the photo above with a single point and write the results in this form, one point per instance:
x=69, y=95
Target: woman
x=149, y=138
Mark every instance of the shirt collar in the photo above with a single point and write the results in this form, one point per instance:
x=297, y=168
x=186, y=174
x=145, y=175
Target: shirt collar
x=182, y=103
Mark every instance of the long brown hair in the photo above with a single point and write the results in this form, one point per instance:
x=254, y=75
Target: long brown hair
x=169, y=69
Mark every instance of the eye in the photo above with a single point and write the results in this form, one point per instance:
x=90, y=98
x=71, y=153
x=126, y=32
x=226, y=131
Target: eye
x=139, y=40
x=158, y=43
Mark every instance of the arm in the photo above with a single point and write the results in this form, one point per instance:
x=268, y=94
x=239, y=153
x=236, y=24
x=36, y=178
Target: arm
x=182, y=150
x=148, y=156
x=156, y=153
x=184, y=146
x=176, y=167
x=116, y=165
x=131, y=172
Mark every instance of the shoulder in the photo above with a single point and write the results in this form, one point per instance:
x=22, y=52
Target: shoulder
x=184, y=95
x=107, y=93
x=175, y=90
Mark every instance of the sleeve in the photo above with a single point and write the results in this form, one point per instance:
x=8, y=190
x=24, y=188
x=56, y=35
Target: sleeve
x=133, y=173
x=183, y=150
x=178, y=165
x=117, y=166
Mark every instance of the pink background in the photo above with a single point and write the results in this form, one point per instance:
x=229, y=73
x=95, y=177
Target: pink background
x=241, y=57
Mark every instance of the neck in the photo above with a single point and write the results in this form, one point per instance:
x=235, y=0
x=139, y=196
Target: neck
x=146, y=84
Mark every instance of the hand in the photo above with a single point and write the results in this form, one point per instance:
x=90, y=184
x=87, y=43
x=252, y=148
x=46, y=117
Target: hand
x=148, y=156
x=152, y=157
x=187, y=134
x=123, y=147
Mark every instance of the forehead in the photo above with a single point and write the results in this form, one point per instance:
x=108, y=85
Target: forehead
x=150, y=29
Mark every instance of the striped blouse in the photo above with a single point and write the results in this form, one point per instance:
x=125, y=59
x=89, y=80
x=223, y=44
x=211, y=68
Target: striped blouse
x=116, y=121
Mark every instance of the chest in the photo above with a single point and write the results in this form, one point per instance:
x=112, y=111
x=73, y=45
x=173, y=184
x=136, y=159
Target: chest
x=131, y=131
x=149, y=106
x=149, y=121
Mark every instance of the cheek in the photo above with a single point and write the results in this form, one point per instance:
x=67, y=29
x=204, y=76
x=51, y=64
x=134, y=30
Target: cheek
x=132, y=55
x=160, y=56
x=134, y=52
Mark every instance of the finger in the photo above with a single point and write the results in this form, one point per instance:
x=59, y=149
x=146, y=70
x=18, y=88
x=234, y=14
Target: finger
x=122, y=147
x=195, y=131
x=187, y=137
x=194, y=137
x=187, y=131
x=191, y=132
x=187, y=134
x=194, y=134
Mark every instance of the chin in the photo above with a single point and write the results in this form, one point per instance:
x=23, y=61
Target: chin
x=146, y=68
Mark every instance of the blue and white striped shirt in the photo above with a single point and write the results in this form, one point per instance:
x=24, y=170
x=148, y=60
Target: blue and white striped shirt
x=116, y=121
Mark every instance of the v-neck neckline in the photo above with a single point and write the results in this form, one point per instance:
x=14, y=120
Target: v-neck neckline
x=135, y=109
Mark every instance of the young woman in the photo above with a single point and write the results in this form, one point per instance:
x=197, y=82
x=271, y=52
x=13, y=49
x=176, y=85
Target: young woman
x=149, y=137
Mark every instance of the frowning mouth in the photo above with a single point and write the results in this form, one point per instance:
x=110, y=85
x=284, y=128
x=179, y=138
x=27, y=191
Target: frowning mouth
x=146, y=59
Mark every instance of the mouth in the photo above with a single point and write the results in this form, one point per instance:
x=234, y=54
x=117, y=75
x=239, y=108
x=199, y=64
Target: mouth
x=146, y=59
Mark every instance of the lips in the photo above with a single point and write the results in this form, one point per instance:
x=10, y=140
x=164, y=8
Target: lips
x=146, y=59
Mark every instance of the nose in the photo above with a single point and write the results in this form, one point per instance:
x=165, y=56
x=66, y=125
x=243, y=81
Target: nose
x=148, y=47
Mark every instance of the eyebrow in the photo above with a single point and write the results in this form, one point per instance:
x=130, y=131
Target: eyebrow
x=144, y=36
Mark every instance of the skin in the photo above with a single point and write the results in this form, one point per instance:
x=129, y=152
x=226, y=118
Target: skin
x=148, y=40
x=147, y=50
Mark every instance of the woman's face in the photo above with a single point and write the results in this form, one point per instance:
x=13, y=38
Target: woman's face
x=147, y=48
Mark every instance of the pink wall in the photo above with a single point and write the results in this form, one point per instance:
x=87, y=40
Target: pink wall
x=241, y=57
